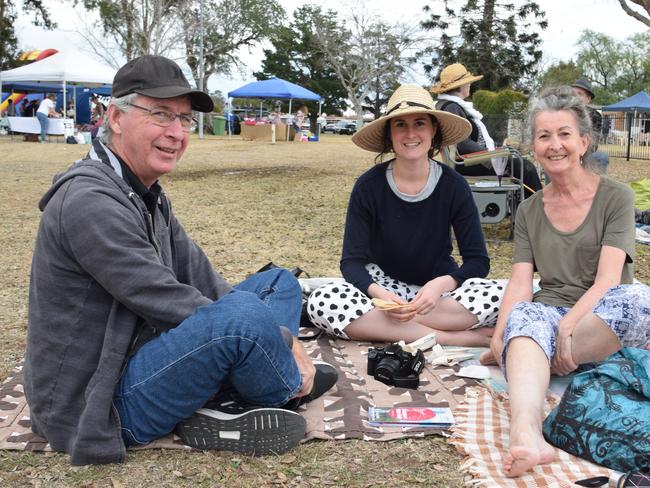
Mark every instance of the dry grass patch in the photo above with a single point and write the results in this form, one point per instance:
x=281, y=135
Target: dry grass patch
x=245, y=203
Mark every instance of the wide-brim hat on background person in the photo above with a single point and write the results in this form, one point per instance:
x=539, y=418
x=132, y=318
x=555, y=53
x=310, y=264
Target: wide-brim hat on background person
x=158, y=77
x=407, y=100
x=453, y=76
x=585, y=85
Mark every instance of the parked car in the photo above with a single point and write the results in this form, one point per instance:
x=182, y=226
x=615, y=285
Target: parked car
x=345, y=127
x=330, y=127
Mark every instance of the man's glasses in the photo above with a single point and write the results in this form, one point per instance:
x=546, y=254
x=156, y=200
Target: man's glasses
x=165, y=118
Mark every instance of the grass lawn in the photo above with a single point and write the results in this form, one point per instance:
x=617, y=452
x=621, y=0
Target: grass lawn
x=245, y=203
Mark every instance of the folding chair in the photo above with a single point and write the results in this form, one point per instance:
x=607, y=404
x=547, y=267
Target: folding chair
x=496, y=198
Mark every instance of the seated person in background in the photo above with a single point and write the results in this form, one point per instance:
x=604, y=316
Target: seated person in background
x=69, y=113
x=598, y=160
x=452, y=89
x=131, y=330
x=578, y=233
x=397, y=244
x=98, y=110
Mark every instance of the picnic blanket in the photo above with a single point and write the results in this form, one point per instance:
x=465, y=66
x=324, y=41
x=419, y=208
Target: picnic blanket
x=481, y=433
x=342, y=413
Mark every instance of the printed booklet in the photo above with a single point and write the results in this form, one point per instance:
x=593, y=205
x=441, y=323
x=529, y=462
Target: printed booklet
x=434, y=417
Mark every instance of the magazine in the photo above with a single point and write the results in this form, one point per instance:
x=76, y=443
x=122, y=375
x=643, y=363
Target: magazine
x=434, y=417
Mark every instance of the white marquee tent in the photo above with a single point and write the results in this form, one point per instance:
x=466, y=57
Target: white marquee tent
x=67, y=67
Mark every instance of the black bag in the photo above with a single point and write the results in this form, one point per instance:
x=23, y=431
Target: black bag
x=71, y=140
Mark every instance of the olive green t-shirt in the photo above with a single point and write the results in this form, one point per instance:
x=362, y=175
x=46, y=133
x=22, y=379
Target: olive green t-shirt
x=567, y=261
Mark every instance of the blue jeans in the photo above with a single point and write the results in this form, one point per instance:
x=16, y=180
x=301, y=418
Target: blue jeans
x=44, y=121
x=234, y=341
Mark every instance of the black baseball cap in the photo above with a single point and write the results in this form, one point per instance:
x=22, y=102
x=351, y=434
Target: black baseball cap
x=158, y=77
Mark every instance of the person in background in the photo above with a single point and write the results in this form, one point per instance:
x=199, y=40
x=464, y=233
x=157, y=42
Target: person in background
x=397, y=244
x=24, y=107
x=69, y=113
x=98, y=111
x=578, y=234
x=46, y=109
x=298, y=120
x=598, y=160
x=321, y=121
x=452, y=90
x=131, y=331
x=11, y=109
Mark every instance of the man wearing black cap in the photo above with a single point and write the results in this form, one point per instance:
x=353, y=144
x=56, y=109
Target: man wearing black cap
x=598, y=160
x=131, y=332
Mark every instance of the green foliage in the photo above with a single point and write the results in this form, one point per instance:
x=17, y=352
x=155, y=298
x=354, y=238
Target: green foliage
x=230, y=25
x=503, y=102
x=296, y=57
x=8, y=42
x=135, y=27
x=562, y=73
x=496, y=39
x=617, y=69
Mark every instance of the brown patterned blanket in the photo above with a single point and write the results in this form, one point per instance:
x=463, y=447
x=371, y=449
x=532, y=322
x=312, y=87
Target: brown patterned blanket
x=342, y=413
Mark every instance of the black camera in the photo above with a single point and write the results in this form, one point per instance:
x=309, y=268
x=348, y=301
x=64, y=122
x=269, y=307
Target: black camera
x=394, y=366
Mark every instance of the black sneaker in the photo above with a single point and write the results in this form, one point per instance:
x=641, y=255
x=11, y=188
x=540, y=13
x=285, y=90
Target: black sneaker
x=324, y=379
x=256, y=431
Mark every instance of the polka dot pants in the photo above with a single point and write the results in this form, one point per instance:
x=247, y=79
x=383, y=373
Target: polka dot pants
x=333, y=307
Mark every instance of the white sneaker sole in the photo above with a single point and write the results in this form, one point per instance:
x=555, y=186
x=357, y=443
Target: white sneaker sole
x=255, y=432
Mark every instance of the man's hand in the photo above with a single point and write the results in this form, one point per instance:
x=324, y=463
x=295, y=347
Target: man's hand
x=305, y=366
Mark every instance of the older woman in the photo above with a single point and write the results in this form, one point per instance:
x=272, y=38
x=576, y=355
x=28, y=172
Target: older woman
x=452, y=90
x=397, y=244
x=578, y=233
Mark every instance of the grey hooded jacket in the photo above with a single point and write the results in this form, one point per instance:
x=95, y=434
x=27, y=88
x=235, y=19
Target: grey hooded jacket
x=98, y=268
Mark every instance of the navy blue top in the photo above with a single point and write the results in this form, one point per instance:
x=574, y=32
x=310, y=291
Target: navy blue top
x=411, y=241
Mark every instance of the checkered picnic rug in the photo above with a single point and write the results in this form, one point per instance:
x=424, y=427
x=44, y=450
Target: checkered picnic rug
x=481, y=433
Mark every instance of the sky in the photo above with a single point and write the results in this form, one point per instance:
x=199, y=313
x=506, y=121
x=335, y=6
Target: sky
x=566, y=18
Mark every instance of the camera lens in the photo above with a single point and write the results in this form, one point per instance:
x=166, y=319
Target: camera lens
x=386, y=369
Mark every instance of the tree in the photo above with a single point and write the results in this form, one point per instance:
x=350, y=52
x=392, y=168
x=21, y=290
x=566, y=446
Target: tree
x=230, y=25
x=496, y=39
x=637, y=15
x=8, y=16
x=616, y=69
x=295, y=56
x=362, y=50
x=131, y=28
x=562, y=73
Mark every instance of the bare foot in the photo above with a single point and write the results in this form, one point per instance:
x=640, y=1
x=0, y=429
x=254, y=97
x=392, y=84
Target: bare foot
x=524, y=458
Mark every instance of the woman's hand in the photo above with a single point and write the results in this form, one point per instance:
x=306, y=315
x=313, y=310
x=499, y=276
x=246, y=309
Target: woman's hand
x=562, y=362
x=494, y=354
x=402, y=314
x=305, y=366
x=428, y=296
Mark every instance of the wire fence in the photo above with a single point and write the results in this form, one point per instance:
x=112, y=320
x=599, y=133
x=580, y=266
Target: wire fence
x=621, y=135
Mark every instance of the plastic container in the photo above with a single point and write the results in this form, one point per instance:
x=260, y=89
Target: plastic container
x=218, y=125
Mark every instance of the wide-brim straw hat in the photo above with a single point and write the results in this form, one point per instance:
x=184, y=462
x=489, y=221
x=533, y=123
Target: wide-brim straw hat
x=453, y=76
x=411, y=99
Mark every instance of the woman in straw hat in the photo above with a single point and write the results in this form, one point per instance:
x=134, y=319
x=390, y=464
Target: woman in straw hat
x=452, y=89
x=397, y=244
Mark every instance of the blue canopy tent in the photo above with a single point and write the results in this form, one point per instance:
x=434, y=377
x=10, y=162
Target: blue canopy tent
x=638, y=103
x=275, y=88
